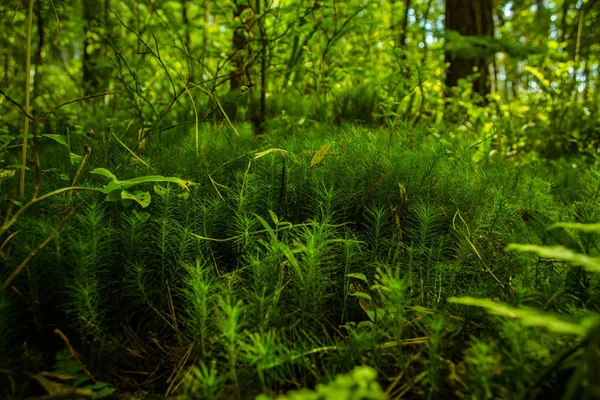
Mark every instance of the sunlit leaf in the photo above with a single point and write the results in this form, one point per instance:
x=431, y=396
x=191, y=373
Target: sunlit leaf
x=62, y=139
x=6, y=173
x=360, y=276
x=319, y=155
x=274, y=217
x=529, y=316
x=104, y=172
x=142, y=198
x=264, y=153
x=577, y=226
x=560, y=253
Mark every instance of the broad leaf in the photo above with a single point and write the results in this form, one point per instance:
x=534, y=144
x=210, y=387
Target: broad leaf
x=560, y=253
x=319, y=155
x=529, y=316
x=142, y=198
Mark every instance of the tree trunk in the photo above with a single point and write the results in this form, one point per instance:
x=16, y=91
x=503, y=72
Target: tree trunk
x=404, y=27
x=263, y=64
x=240, y=46
x=37, y=71
x=186, y=25
x=92, y=49
x=469, y=18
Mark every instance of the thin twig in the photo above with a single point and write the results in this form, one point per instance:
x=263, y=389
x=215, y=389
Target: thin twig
x=91, y=96
x=10, y=222
x=74, y=354
x=11, y=100
x=37, y=251
x=86, y=154
x=36, y=153
x=56, y=15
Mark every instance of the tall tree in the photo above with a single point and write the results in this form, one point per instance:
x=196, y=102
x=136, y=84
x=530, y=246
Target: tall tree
x=263, y=61
x=92, y=48
x=469, y=18
x=240, y=47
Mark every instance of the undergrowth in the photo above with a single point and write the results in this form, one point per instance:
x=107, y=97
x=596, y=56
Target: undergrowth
x=280, y=270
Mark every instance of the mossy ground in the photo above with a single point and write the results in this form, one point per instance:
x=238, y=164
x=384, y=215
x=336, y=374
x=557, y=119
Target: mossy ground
x=282, y=271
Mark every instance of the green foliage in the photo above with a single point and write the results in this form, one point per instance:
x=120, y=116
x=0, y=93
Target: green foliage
x=359, y=384
x=69, y=370
x=300, y=196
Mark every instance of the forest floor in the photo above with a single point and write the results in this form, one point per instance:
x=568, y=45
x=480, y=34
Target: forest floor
x=244, y=266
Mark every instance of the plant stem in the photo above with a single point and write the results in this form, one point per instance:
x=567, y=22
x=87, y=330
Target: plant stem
x=27, y=79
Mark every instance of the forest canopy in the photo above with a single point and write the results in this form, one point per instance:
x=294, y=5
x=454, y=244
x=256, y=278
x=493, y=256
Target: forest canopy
x=303, y=199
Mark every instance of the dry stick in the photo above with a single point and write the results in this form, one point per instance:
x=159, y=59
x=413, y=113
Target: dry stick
x=205, y=119
x=8, y=239
x=27, y=94
x=37, y=251
x=467, y=237
x=245, y=175
x=172, y=310
x=86, y=154
x=219, y=104
x=215, y=184
x=130, y=151
x=178, y=368
x=74, y=354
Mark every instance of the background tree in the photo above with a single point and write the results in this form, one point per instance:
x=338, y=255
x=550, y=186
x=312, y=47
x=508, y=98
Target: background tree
x=470, y=19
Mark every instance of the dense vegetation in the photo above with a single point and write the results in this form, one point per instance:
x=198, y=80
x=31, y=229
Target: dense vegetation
x=359, y=199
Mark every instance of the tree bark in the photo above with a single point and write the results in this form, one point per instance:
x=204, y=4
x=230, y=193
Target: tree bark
x=404, y=27
x=263, y=63
x=469, y=18
x=240, y=46
x=92, y=49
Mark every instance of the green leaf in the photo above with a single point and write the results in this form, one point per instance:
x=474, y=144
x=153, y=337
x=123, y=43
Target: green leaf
x=115, y=194
x=360, y=276
x=142, y=216
x=74, y=158
x=160, y=190
x=560, y=253
x=319, y=155
x=62, y=139
x=142, y=198
x=155, y=178
x=274, y=217
x=577, y=226
x=104, y=172
x=361, y=295
x=529, y=316
x=6, y=173
x=264, y=153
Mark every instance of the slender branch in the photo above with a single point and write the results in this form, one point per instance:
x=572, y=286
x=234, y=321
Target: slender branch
x=27, y=94
x=7, y=97
x=91, y=96
x=6, y=225
x=86, y=154
x=74, y=354
x=39, y=249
